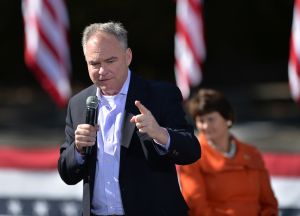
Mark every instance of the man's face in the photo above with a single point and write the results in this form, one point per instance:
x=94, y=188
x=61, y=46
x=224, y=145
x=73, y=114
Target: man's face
x=107, y=62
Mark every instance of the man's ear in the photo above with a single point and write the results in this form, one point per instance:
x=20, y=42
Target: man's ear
x=128, y=56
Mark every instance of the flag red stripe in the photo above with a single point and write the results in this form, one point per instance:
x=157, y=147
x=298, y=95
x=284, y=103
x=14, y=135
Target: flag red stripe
x=181, y=29
x=51, y=48
x=60, y=55
x=189, y=45
x=297, y=5
x=294, y=57
x=45, y=82
x=51, y=10
x=282, y=164
x=182, y=73
x=278, y=164
x=43, y=158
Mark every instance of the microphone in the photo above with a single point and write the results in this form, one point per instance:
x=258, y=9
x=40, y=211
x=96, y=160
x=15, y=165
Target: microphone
x=91, y=117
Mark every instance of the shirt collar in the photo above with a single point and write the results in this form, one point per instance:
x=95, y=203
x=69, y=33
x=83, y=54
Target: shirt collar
x=125, y=86
x=232, y=151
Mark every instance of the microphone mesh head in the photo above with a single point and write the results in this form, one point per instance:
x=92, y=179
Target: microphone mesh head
x=92, y=102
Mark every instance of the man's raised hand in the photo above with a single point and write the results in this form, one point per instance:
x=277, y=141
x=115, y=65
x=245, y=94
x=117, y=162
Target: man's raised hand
x=146, y=123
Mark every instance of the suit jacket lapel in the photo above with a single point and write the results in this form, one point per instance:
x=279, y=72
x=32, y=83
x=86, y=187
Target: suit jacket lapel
x=134, y=93
x=127, y=129
x=91, y=91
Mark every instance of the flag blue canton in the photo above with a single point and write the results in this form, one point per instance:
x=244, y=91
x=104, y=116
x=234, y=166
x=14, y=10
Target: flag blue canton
x=39, y=207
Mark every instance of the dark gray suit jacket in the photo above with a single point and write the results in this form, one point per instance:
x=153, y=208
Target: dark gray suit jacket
x=148, y=180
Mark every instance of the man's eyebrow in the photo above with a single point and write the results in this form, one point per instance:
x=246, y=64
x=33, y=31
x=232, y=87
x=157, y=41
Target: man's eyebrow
x=108, y=59
x=93, y=62
x=111, y=58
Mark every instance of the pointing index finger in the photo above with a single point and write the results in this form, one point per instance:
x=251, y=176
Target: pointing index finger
x=141, y=107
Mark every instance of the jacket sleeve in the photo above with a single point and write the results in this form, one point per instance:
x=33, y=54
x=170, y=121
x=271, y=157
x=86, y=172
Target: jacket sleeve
x=267, y=200
x=165, y=104
x=69, y=169
x=269, y=205
x=193, y=190
x=184, y=146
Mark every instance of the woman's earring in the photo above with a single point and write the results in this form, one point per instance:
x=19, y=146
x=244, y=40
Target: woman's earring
x=229, y=123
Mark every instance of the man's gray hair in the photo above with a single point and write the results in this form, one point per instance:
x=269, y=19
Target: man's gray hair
x=115, y=28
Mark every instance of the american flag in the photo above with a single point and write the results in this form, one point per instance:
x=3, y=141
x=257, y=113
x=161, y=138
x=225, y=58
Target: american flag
x=284, y=169
x=294, y=60
x=189, y=45
x=46, y=46
x=31, y=186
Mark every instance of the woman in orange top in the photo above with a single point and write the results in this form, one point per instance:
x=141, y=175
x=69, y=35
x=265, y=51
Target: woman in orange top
x=230, y=179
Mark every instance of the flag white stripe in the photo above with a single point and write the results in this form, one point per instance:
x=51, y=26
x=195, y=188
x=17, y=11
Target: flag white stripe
x=187, y=61
x=296, y=28
x=63, y=21
x=189, y=46
x=55, y=37
x=287, y=191
x=293, y=65
x=36, y=184
x=183, y=84
x=194, y=26
x=294, y=81
x=53, y=69
x=30, y=28
x=48, y=184
x=61, y=12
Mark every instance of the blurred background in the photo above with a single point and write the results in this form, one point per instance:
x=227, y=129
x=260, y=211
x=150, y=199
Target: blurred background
x=247, y=50
x=247, y=45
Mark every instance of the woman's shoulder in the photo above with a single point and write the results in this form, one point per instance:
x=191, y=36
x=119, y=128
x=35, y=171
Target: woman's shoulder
x=250, y=154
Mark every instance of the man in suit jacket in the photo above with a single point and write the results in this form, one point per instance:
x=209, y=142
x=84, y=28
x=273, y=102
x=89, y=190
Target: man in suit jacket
x=141, y=134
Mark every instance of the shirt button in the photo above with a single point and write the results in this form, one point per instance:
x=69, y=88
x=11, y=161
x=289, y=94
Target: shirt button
x=175, y=152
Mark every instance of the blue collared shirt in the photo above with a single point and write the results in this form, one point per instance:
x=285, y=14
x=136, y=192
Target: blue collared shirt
x=107, y=196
